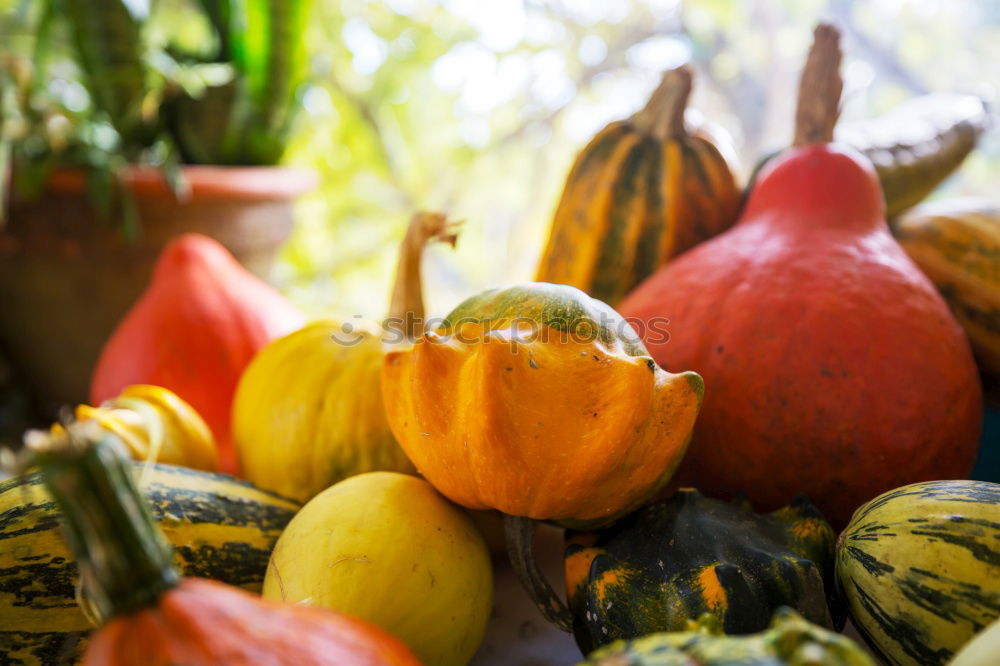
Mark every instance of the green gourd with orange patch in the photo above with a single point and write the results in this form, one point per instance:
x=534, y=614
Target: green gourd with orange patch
x=675, y=560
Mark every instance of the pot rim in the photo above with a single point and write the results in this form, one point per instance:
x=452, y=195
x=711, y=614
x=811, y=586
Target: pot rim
x=256, y=183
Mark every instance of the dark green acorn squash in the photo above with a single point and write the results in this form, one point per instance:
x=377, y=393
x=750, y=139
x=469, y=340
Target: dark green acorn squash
x=789, y=641
x=675, y=560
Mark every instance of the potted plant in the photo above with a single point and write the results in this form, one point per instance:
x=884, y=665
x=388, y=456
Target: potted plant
x=125, y=126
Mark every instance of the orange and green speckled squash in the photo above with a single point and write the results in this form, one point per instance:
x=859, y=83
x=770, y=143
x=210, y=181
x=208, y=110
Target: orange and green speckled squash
x=541, y=402
x=675, y=560
x=642, y=191
x=788, y=641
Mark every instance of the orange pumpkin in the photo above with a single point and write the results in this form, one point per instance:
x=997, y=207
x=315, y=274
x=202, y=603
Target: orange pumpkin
x=152, y=616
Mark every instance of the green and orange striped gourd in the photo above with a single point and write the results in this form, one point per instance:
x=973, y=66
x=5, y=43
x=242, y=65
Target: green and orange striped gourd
x=644, y=190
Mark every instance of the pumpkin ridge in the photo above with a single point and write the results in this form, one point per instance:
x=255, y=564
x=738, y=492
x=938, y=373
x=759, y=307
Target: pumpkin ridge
x=647, y=256
x=616, y=254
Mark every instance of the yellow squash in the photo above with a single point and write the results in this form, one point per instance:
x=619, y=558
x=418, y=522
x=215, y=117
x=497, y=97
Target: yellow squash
x=155, y=424
x=387, y=548
x=308, y=410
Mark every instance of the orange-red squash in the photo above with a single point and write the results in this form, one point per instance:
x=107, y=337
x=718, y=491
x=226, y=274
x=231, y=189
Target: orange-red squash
x=152, y=616
x=196, y=327
x=832, y=366
x=203, y=623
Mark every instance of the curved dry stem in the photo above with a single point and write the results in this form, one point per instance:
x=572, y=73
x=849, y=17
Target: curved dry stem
x=520, y=533
x=406, y=306
x=819, y=89
x=663, y=115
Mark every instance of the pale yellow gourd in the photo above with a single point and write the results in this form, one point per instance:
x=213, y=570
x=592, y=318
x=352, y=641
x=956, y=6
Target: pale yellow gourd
x=308, y=410
x=387, y=548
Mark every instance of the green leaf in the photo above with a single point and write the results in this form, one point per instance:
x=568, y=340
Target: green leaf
x=270, y=57
x=110, y=51
x=219, y=14
x=43, y=44
x=287, y=64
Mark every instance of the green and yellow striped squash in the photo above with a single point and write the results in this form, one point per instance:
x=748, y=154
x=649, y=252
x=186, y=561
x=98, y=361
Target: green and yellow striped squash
x=642, y=191
x=220, y=528
x=920, y=569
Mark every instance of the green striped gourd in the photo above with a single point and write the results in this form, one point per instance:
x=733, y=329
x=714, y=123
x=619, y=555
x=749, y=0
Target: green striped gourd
x=220, y=528
x=920, y=569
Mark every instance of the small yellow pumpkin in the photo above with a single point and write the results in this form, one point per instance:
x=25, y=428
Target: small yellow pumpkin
x=387, y=548
x=156, y=424
x=308, y=411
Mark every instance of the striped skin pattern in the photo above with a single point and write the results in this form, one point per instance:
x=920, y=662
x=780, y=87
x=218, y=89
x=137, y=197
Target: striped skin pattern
x=789, y=640
x=920, y=569
x=221, y=528
x=641, y=192
x=957, y=245
x=674, y=561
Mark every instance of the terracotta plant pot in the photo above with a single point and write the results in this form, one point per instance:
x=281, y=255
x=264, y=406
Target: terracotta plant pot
x=68, y=276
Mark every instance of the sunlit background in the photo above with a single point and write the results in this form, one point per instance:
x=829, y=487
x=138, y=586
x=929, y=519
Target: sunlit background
x=477, y=108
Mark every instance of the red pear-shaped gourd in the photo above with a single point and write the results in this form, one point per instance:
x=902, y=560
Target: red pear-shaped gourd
x=196, y=327
x=832, y=367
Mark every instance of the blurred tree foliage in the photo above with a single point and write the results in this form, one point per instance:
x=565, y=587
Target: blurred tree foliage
x=477, y=107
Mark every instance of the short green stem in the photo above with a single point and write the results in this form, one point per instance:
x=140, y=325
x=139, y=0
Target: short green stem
x=124, y=560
